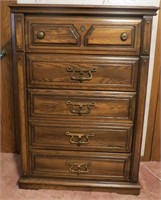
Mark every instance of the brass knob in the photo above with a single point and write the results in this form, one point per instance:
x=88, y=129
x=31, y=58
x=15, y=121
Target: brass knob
x=2, y=53
x=83, y=28
x=40, y=35
x=124, y=36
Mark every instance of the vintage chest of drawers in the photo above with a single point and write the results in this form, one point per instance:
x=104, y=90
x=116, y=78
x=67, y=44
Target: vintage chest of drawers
x=80, y=76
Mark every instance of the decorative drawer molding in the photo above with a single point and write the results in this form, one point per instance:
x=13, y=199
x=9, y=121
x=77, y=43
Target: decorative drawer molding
x=69, y=105
x=66, y=33
x=78, y=137
x=97, y=166
x=82, y=72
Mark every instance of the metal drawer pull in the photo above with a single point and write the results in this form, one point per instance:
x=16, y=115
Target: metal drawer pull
x=78, y=168
x=79, y=138
x=40, y=35
x=81, y=75
x=124, y=36
x=3, y=53
x=80, y=109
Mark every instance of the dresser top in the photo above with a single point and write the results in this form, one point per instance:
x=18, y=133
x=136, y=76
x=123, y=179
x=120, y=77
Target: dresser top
x=82, y=9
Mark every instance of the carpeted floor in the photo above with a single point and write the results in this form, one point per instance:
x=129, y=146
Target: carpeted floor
x=150, y=179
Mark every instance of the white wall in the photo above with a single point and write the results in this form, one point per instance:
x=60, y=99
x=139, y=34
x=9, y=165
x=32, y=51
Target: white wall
x=153, y=42
x=104, y=2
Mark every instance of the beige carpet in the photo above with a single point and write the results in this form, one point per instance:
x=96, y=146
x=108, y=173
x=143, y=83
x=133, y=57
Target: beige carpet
x=150, y=179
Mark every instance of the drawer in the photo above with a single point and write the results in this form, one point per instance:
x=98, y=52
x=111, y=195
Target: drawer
x=64, y=164
x=84, y=34
x=111, y=138
x=81, y=105
x=82, y=72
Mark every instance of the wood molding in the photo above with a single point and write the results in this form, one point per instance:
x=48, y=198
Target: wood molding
x=20, y=67
x=154, y=96
x=83, y=9
x=143, y=73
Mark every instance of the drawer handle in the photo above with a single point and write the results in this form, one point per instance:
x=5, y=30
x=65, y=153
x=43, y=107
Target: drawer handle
x=124, y=36
x=81, y=75
x=79, y=138
x=78, y=168
x=40, y=35
x=3, y=53
x=80, y=109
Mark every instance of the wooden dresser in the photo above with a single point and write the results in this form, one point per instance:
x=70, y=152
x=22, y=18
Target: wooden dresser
x=80, y=75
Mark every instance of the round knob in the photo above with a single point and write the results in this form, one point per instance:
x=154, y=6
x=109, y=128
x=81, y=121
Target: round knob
x=124, y=36
x=83, y=28
x=40, y=35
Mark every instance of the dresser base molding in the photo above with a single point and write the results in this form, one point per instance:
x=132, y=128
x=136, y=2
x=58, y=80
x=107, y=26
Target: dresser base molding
x=118, y=187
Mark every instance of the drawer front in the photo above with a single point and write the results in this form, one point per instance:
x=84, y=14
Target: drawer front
x=112, y=138
x=81, y=105
x=82, y=72
x=84, y=34
x=99, y=166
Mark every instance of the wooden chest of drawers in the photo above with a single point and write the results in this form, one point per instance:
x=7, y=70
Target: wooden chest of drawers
x=80, y=76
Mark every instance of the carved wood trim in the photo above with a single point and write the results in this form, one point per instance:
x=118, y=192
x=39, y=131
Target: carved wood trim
x=147, y=27
x=143, y=74
x=19, y=32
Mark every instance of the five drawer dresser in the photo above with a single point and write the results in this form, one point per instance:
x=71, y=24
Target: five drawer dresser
x=80, y=76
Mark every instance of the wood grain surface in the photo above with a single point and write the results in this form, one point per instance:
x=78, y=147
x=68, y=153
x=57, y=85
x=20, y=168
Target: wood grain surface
x=8, y=143
x=84, y=34
x=81, y=95
x=80, y=137
x=82, y=72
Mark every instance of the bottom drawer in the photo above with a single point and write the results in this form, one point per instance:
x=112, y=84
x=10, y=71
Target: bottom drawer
x=79, y=165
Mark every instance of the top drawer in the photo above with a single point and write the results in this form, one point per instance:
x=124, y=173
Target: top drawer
x=83, y=34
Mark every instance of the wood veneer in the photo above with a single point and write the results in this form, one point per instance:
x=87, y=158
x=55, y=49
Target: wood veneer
x=8, y=143
x=81, y=74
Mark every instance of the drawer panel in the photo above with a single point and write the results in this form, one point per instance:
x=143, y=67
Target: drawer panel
x=83, y=166
x=112, y=35
x=55, y=34
x=112, y=138
x=84, y=34
x=81, y=105
x=82, y=72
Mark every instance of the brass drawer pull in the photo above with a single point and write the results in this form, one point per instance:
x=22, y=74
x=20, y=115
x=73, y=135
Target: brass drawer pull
x=78, y=168
x=80, y=109
x=124, y=36
x=79, y=138
x=81, y=75
x=40, y=35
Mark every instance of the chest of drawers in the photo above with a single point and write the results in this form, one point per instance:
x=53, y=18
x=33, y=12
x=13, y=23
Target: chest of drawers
x=80, y=76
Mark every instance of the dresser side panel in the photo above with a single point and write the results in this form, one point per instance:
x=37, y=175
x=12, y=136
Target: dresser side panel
x=21, y=80
x=144, y=64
